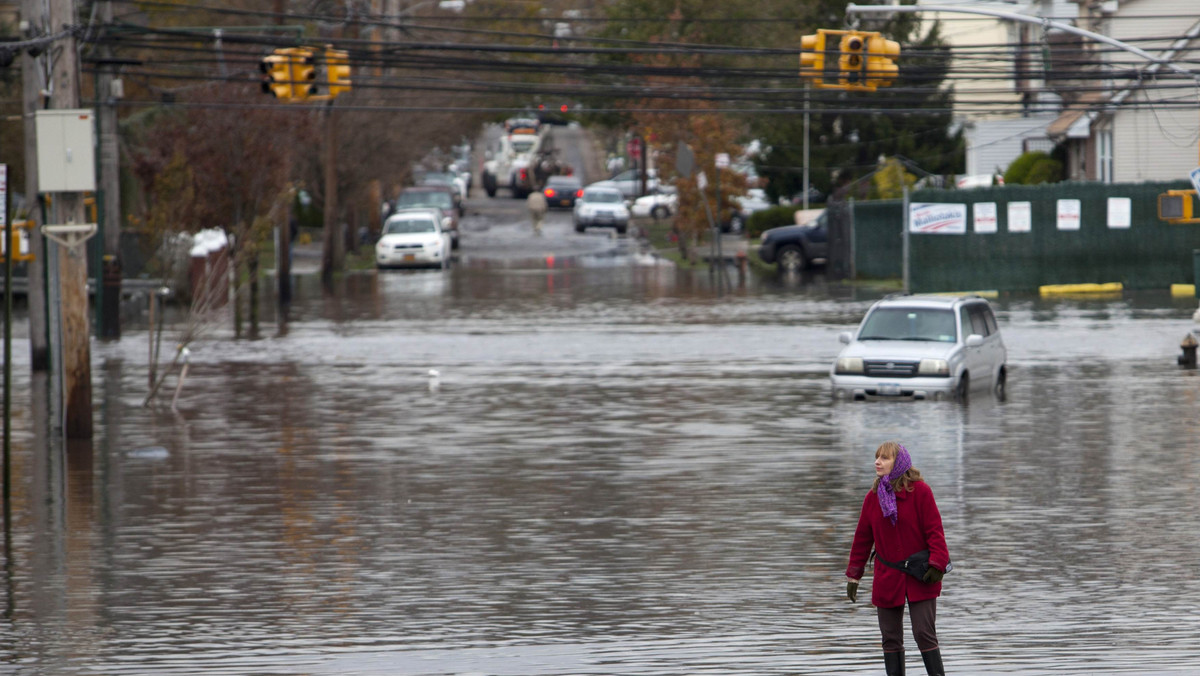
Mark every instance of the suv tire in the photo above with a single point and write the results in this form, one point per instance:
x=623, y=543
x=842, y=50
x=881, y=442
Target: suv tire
x=489, y=185
x=660, y=212
x=791, y=258
x=963, y=392
x=1001, y=384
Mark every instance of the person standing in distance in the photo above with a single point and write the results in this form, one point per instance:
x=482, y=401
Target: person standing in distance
x=537, y=210
x=901, y=520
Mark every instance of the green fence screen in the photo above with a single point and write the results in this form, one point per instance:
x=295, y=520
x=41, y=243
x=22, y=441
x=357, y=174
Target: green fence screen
x=1119, y=239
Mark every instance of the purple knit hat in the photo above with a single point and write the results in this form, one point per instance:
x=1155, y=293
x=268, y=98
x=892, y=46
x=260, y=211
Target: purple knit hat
x=885, y=491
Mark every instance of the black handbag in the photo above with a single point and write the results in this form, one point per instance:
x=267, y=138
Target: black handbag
x=916, y=565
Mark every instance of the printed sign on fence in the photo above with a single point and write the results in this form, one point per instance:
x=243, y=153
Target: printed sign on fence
x=937, y=219
x=1120, y=212
x=985, y=217
x=1068, y=214
x=1020, y=217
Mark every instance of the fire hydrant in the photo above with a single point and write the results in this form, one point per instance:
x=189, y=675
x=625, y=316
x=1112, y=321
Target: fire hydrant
x=1188, y=358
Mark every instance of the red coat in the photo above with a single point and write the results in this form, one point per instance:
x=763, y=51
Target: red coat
x=918, y=526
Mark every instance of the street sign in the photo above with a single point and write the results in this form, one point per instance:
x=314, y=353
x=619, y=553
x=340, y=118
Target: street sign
x=701, y=181
x=1195, y=176
x=685, y=161
x=722, y=160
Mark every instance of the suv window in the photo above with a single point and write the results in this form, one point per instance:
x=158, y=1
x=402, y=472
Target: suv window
x=990, y=319
x=973, y=320
x=909, y=323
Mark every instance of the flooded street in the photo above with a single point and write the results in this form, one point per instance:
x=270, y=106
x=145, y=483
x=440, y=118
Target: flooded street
x=617, y=470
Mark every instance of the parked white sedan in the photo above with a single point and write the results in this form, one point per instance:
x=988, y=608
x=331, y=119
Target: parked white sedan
x=413, y=238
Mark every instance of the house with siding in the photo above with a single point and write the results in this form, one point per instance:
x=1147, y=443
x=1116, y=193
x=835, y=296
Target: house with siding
x=1135, y=120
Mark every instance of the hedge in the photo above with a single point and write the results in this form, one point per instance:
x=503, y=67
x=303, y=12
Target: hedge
x=770, y=218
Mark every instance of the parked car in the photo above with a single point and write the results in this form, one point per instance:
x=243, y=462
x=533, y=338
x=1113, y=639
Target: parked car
x=562, y=191
x=659, y=204
x=413, y=238
x=450, y=178
x=601, y=205
x=629, y=182
x=796, y=247
x=443, y=197
x=754, y=200
x=922, y=347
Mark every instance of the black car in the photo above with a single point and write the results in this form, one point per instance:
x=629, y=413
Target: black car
x=795, y=247
x=561, y=191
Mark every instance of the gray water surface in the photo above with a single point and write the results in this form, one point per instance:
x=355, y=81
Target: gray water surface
x=617, y=471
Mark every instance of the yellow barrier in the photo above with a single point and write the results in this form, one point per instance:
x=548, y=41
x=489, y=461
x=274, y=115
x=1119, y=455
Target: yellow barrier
x=1111, y=288
x=1183, y=290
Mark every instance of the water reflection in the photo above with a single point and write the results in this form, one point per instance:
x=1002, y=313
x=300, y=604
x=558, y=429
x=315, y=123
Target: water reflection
x=621, y=472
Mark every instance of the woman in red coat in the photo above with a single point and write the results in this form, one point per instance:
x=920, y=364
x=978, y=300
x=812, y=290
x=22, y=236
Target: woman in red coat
x=899, y=518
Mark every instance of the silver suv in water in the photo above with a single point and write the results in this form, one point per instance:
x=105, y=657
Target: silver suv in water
x=922, y=347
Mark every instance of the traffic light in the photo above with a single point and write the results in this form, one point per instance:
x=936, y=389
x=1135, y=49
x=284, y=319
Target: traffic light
x=277, y=76
x=1175, y=206
x=851, y=62
x=881, y=64
x=337, y=71
x=304, y=73
x=812, y=57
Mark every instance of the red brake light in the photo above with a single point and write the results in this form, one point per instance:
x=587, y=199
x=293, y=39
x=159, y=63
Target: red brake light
x=549, y=192
x=579, y=193
x=524, y=174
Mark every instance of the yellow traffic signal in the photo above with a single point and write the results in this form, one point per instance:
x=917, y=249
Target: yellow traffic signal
x=1175, y=206
x=337, y=71
x=20, y=242
x=881, y=64
x=812, y=57
x=304, y=73
x=851, y=62
x=277, y=76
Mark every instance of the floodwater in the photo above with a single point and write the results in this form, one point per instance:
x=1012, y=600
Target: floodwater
x=617, y=470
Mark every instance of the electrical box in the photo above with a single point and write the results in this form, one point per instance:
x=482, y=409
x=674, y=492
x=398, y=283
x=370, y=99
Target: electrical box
x=66, y=150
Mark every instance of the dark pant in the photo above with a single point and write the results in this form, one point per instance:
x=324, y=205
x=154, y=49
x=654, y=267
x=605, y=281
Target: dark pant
x=923, y=615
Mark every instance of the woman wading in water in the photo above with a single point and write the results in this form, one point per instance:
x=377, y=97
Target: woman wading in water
x=901, y=521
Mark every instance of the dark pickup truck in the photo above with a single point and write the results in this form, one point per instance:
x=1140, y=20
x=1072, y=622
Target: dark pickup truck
x=796, y=247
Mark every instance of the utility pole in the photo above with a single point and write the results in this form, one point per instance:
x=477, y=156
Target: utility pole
x=109, y=195
x=76, y=366
x=334, y=245
x=33, y=76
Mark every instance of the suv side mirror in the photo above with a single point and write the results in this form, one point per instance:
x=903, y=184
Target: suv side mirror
x=845, y=337
x=974, y=340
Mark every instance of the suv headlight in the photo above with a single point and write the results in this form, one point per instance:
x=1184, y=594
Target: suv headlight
x=849, y=365
x=933, y=367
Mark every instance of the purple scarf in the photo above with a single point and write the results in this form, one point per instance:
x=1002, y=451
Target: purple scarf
x=885, y=491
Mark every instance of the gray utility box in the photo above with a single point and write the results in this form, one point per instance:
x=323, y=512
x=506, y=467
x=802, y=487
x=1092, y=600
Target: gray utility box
x=66, y=151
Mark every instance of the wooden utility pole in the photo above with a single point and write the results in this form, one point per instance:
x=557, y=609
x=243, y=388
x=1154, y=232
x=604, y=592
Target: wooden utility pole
x=109, y=278
x=334, y=257
x=33, y=76
x=72, y=261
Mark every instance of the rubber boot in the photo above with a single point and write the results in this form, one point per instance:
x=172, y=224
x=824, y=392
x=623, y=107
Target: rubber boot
x=933, y=662
x=894, y=663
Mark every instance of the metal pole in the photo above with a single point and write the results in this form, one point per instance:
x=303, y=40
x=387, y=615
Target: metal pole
x=806, y=103
x=904, y=243
x=9, y=252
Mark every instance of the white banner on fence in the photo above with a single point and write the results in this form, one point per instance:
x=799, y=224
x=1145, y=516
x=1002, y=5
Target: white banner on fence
x=1068, y=214
x=1020, y=217
x=985, y=217
x=1120, y=212
x=927, y=218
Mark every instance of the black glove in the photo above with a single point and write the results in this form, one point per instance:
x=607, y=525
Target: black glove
x=932, y=575
x=852, y=591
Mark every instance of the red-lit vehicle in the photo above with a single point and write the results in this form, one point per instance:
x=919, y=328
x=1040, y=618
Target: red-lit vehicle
x=562, y=191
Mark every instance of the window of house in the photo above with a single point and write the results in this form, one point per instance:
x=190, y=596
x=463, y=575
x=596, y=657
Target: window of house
x=1104, y=155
